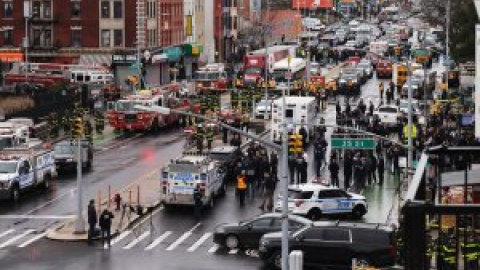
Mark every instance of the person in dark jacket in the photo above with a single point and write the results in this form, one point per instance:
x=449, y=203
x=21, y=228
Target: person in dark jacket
x=318, y=156
x=372, y=177
x=302, y=169
x=106, y=226
x=303, y=132
x=292, y=165
x=197, y=199
x=380, y=169
x=92, y=221
x=273, y=163
x=269, y=189
x=334, y=168
x=347, y=170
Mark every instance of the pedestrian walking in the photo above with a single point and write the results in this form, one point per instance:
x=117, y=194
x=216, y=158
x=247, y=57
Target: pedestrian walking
x=269, y=189
x=273, y=163
x=241, y=188
x=292, y=165
x=318, y=156
x=334, y=168
x=380, y=169
x=92, y=221
x=303, y=132
x=106, y=226
x=373, y=169
x=197, y=199
x=347, y=170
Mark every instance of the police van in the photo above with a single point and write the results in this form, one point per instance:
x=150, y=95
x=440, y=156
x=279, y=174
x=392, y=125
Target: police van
x=181, y=176
x=315, y=200
x=299, y=111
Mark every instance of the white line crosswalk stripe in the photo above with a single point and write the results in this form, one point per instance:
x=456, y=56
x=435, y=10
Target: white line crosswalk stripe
x=5, y=233
x=137, y=240
x=33, y=239
x=214, y=248
x=199, y=242
x=180, y=240
x=16, y=238
x=159, y=240
x=120, y=237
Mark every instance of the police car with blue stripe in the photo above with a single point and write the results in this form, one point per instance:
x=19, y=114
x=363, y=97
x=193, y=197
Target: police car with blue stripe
x=316, y=200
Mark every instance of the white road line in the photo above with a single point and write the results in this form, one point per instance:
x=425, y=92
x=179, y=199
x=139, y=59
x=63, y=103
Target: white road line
x=214, y=248
x=120, y=237
x=16, y=238
x=37, y=216
x=33, y=239
x=137, y=240
x=125, y=162
x=6, y=232
x=199, y=242
x=179, y=241
x=159, y=240
x=233, y=251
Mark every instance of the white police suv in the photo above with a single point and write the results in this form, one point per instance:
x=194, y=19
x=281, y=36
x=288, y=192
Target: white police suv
x=314, y=200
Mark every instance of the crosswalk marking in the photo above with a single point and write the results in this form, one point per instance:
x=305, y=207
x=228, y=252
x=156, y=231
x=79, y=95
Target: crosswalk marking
x=14, y=239
x=120, y=237
x=33, y=239
x=233, y=251
x=214, y=248
x=179, y=241
x=6, y=233
x=199, y=242
x=159, y=240
x=137, y=240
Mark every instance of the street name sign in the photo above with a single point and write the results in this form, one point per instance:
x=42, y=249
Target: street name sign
x=353, y=143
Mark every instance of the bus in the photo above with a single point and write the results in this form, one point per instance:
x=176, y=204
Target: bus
x=299, y=111
x=297, y=68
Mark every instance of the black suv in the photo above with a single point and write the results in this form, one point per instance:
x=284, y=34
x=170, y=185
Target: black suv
x=331, y=243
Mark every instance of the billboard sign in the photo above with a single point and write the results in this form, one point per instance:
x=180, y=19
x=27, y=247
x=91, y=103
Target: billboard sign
x=312, y=4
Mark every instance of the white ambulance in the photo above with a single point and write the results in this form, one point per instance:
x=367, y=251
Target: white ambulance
x=299, y=111
x=180, y=177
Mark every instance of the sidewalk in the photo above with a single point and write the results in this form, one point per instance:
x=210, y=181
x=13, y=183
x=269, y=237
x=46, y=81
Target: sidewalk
x=144, y=191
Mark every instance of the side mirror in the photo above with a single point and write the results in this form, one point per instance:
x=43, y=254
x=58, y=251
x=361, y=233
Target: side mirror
x=300, y=238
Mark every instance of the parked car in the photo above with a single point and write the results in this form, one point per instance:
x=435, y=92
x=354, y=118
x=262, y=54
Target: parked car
x=247, y=234
x=334, y=244
x=388, y=114
x=315, y=200
x=367, y=67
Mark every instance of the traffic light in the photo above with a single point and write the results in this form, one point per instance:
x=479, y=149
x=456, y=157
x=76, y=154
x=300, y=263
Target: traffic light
x=295, y=144
x=132, y=80
x=78, y=128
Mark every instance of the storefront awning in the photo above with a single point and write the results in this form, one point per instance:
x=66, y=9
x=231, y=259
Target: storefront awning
x=95, y=59
x=159, y=58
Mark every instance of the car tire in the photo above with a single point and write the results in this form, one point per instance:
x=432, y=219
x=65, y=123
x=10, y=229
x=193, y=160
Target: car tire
x=232, y=241
x=314, y=214
x=358, y=211
x=363, y=262
x=276, y=259
x=15, y=193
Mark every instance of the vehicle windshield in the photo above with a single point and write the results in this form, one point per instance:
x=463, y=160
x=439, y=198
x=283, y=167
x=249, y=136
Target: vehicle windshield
x=264, y=102
x=299, y=194
x=363, y=65
x=63, y=149
x=349, y=76
x=6, y=142
x=202, y=75
x=279, y=75
x=128, y=106
x=253, y=70
x=8, y=167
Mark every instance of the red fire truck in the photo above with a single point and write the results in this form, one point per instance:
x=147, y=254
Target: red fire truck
x=124, y=116
x=211, y=78
x=254, y=63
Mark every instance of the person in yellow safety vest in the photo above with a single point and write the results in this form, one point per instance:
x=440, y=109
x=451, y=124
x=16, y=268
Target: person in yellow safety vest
x=241, y=187
x=414, y=132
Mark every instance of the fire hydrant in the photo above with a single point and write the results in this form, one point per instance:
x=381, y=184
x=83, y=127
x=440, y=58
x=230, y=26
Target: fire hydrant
x=118, y=200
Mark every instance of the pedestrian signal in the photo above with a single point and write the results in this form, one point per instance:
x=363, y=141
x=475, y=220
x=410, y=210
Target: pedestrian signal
x=78, y=128
x=295, y=144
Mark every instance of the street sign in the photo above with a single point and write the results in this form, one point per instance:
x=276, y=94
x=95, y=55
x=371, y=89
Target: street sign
x=353, y=143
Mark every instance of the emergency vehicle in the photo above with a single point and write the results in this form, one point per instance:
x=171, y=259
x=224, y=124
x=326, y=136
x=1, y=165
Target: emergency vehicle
x=49, y=74
x=182, y=175
x=25, y=168
x=255, y=62
x=211, y=78
x=299, y=111
x=315, y=200
x=125, y=116
x=296, y=70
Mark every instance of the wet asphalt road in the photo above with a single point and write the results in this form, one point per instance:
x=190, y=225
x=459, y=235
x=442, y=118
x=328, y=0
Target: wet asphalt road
x=186, y=244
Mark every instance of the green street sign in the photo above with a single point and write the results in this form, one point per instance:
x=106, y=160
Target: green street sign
x=353, y=143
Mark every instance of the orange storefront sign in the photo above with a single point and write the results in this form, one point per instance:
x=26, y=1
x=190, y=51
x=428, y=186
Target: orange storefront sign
x=11, y=57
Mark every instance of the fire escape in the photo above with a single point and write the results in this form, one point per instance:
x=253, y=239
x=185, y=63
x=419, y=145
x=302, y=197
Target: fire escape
x=41, y=29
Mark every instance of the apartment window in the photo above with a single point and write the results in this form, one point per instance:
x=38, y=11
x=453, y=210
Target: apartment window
x=8, y=9
x=105, y=38
x=105, y=9
x=47, y=9
x=151, y=9
x=36, y=7
x=118, y=37
x=8, y=37
x=36, y=37
x=47, y=37
x=76, y=37
x=76, y=9
x=117, y=9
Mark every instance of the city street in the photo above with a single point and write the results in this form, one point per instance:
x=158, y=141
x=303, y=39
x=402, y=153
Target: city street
x=170, y=238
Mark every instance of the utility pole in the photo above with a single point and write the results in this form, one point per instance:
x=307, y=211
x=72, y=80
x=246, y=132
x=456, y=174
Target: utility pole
x=27, y=13
x=267, y=64
x=410, y=124
x=447, y=49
